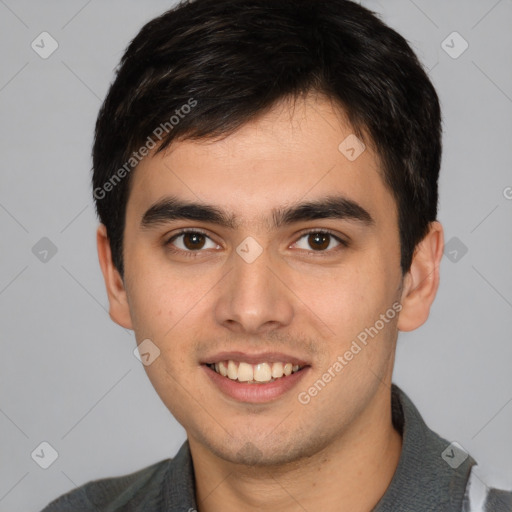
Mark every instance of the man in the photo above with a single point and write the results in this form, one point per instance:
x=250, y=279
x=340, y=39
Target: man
x=265, y=173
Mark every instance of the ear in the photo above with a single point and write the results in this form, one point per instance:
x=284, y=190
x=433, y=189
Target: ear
x=422, y=280
x=119, y=310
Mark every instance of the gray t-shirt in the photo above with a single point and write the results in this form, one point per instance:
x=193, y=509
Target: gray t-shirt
x=432, y=475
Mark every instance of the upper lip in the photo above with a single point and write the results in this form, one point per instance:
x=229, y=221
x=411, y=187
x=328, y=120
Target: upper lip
x=255, y=358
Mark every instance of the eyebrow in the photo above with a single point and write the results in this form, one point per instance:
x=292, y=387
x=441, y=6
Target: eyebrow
x=330, y=207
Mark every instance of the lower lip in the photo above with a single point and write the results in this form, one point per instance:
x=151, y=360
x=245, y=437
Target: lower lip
x=255, y=393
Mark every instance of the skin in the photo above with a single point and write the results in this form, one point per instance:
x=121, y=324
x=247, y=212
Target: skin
x=340, y=451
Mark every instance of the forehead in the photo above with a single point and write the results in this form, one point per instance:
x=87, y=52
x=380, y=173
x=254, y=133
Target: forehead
x=298, y=151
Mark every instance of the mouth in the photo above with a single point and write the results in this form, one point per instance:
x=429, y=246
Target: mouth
x=255, y=378
x=260, y=373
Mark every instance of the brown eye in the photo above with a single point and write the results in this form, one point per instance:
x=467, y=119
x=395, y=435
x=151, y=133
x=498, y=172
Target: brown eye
x=193, y=241
x=319, y=241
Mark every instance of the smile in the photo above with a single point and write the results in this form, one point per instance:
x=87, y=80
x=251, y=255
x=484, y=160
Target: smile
x=260, y=373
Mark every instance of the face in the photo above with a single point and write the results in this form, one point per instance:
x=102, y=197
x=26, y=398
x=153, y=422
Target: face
x=289, y=261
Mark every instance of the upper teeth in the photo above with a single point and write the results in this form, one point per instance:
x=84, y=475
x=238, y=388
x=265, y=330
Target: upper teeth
x=261, y=372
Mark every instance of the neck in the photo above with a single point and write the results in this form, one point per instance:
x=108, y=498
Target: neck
x=351, y=474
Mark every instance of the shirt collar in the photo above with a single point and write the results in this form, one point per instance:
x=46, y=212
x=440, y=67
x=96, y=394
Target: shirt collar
x=423, y=479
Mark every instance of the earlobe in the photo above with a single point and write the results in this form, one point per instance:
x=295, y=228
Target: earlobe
x=119, y=310
x=422, y=281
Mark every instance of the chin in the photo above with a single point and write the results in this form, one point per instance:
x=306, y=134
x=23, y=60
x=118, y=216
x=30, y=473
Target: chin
x=265, y=452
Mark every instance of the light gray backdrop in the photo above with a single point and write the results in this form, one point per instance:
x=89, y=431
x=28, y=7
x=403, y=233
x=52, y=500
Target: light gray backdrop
x=68, y=376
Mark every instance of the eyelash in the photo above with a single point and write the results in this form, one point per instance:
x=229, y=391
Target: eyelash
x=193, y=254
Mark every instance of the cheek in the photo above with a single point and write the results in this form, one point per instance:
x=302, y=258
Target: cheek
x=342, y=297
x=150, y=306
x=167, y=304
x=350, y=298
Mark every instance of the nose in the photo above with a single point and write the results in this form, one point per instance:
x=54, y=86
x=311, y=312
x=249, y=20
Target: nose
x=254, y=297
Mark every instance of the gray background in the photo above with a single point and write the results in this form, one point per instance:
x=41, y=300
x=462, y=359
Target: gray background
x=67, y=372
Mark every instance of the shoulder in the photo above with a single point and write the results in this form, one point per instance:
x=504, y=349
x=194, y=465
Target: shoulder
x=499, y=500
x=480, y=497
x=138, y=489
